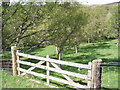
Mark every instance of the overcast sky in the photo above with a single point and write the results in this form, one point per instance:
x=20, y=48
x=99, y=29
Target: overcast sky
x=88, y=2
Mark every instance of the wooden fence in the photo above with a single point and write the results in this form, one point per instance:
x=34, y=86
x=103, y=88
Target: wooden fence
x=93, y=77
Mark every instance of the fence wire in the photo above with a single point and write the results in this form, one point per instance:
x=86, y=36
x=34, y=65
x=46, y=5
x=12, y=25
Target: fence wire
x=6, y=61
x=109, y=78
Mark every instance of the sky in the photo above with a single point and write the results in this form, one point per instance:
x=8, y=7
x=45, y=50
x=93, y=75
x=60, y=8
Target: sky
x=87, y=2
x=91, y=2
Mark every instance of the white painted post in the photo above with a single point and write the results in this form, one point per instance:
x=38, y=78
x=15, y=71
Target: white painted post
x=48, y=72
x=89, y=75
x=18, y=65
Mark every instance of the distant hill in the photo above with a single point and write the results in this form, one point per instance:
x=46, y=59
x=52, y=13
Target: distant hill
x=112, y=3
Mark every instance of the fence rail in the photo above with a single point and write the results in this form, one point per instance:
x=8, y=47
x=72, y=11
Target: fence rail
x=54, y=61
x=54, y=70
x=94, y=69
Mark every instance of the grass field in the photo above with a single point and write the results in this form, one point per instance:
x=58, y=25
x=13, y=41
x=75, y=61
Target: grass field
x=87, y=52
x=105, y=50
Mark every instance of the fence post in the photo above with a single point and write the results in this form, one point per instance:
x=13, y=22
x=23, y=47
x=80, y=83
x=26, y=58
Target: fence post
x=18, y=64
x=48, y=72
x=14, y=58
x=96, y=74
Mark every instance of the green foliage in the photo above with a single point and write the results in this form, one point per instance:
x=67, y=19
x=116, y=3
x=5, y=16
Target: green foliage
x=58, y=24
x=67, y=20
x=21, y=23
x=102, y=22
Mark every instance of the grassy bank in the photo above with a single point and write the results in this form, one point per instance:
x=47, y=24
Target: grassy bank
x=9, y=81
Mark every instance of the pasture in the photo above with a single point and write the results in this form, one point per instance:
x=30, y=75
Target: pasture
x=104, y=49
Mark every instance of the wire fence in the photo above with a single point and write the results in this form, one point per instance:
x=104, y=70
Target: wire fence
x=6, y=61
x=109, y=78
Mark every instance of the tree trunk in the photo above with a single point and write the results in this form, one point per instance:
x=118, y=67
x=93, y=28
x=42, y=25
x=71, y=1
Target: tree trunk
x=88, y=40
x=76, y=49
x=59, y=56
x=118, y=44
x=56, y=50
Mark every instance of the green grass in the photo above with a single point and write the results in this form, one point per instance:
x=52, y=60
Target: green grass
x=110, y=79
x=9, y=81
x=105, y=50
x=87, y=52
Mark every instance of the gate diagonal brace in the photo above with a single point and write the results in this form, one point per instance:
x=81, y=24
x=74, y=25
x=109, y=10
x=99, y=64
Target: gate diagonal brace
x=68, y=78
x=30, y=69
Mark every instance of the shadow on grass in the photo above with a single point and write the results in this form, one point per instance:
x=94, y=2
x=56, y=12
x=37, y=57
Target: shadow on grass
x=88, y=53
x=32, y=51
x=108, y=60
x=89, y=48
x=67, y=86
x=103, y=88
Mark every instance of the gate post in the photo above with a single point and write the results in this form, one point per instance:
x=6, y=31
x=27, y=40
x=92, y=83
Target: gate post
x=96, y=74
x=14, y=58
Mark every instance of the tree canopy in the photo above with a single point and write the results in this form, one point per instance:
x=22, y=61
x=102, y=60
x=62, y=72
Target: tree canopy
x=67, y=24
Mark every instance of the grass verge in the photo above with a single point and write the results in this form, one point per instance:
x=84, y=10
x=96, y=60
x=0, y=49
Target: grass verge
x=9, y=81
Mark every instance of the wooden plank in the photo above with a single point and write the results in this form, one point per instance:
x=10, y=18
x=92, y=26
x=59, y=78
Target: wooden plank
x=30, y=69
x=89, y=75
x=55, y=70
x=53, y=78
x=68, y=78
x=55, y=61
x=48, y=72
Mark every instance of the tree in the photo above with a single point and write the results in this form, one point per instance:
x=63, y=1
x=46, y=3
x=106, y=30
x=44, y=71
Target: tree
x=101, y=23
x=24, y=25
x=68, y=20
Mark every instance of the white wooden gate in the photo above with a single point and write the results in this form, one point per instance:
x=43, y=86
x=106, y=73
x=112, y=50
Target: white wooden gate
x=93, y=69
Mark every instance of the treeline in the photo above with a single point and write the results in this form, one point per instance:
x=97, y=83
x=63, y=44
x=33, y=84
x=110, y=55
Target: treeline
x=67, y=24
